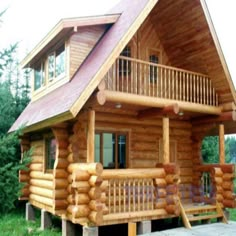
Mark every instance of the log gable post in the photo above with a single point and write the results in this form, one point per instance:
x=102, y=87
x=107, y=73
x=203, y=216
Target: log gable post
x=166, y=140
x=221, y=144
x=91, y=136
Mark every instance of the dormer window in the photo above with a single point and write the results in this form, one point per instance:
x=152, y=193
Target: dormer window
x=39, y=76
x=51, y=68
x=56, y=63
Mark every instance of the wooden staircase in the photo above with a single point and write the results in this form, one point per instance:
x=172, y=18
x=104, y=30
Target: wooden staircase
x=195, y=212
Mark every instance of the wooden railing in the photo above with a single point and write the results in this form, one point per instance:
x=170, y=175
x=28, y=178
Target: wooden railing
x=139, y=77
x=220, y=183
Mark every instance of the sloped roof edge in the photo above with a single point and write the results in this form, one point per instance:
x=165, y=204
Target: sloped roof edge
x=67, y=24
x=218, y=48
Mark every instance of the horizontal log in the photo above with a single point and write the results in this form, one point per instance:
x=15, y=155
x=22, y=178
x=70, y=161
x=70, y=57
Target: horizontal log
x=217, y=180
x=134, y=173
x=228, y=186
x=24, y=192
x=42, y=183
x=60, y=183
x=95, y=180
x=42, y=191
x=170, y=168
x=171, y=199
x=171, y=179
x=219, y=197
x=61, y=163
x=96, y=217
x=230, y=106
x=229, y=203
x=41, y=175
x=172, y=209
x=216, y=172
x=161, y=193
x=95, y=193
x=228, y=177
x=81, y=186
x=160, y=182
x=228, y=195
x=161, y=203
x=92, y=168
x=95, y=205
x=78, y=211
x=24, y=178
x=60, y=173
x=80, y=175
x=133, y=99
x=171, y=189
x=36, y=167
x=41, y=199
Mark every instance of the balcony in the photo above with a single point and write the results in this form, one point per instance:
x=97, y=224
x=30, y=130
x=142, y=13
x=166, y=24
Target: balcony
x=168, y=84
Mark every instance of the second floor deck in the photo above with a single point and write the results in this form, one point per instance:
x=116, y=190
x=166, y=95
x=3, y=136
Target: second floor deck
x=134, y=76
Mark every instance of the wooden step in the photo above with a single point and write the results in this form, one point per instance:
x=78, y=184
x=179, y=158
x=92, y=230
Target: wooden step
x=199, y=209
x=204, y=217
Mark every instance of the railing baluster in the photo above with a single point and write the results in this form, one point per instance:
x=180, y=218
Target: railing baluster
x=161, y=83
x=124, y=195
x=114, y=195
x=139, y=193
x=169, y=86
x=119, y=192
x=129, y=195
x=213, y=97
x=207, y=92
x=134, y=205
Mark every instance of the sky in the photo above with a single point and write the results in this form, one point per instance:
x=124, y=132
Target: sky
x=28, y=21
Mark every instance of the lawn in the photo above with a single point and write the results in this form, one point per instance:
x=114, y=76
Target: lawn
x=14, y=224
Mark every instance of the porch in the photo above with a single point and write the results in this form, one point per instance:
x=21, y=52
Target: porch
x=140, y=82
x=106, y=197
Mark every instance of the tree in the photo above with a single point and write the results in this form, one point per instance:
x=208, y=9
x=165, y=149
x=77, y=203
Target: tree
x=210, y=149
x=14, y=96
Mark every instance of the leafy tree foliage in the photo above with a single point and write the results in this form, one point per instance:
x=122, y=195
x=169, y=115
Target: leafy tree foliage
x=210, y=149
x=14, y=96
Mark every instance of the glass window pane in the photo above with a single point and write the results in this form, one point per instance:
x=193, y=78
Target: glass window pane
x=51, y=152
x=108, y=150
x=122, y=151
x=60, y=61
x=51, y=64
x=38, y=76
x=97, y=148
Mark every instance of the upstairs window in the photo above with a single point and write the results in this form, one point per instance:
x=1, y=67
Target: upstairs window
x=111, y=149
x=56, y=63
x=39, y=76
x=153, y=70
x=51, y=68
x=125, y=64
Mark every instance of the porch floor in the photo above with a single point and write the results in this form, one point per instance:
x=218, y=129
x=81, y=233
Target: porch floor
x=214, y=229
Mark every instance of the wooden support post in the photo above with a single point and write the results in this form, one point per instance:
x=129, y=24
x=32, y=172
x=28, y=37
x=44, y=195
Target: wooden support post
x=221, y=144
x=91, y=136
x=166, y=142
x=132, y=231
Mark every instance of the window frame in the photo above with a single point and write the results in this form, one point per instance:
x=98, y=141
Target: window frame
x=48, y=81
x=173, y=145
x=158, y=53
x=101, y=154
x=46, y=138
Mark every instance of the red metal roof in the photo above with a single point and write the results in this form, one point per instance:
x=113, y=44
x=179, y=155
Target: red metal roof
x=60, y=101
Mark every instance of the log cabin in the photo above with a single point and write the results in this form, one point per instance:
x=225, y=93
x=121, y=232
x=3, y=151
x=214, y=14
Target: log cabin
x=120, y=105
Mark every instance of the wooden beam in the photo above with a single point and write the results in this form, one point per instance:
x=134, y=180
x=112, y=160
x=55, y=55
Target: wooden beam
x=135, y=99
x=91, y=136
x=230, y=106
x=153, y=112
x=224, y=116
x=132, y=229
x=221, y=144
x=166, y=141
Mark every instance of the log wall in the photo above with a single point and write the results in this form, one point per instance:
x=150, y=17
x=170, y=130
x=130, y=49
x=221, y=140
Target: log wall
x=144, y=139
x=24, y=174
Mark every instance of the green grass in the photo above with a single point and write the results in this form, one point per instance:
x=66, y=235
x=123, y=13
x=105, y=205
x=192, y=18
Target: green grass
x=14, y=224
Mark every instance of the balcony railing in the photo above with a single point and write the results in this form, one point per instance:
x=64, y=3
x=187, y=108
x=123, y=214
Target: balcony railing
x=129, y=75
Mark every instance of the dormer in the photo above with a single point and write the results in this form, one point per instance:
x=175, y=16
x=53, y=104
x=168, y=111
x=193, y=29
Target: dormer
x=54, y=61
